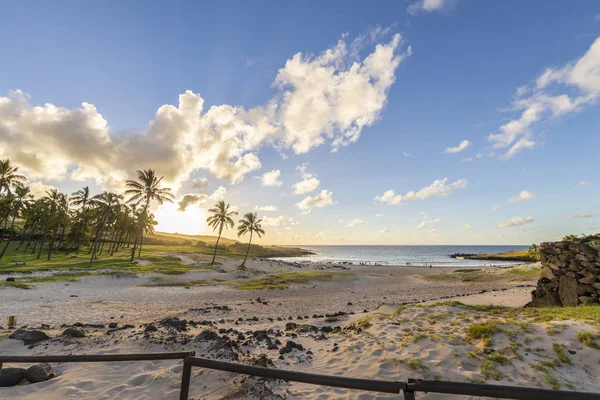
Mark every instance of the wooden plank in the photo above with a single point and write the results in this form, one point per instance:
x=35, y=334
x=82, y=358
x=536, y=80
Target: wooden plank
x=498, y=391
x=315, y=379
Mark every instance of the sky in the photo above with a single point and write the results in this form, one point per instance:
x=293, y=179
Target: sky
x=338, y=122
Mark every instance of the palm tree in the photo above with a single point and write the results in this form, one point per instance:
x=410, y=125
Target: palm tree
x=220, y=218
x=143, y=192
x=106, y=203
x=250, y=223
x=82, y=199
x=23, y=197
x=9, y=176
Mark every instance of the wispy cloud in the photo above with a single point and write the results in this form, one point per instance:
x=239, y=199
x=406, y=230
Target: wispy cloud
x=577, y=216
x=266, y=208
x=351, y=223
x=523, y=195
x=457, y=149
x=468, y=226
x=496, y=207
x=556, y=92
x=516, y=221
x=385, y=230
x=439, y=188
x=431, y=221
x=583, y=183
x=378, y=215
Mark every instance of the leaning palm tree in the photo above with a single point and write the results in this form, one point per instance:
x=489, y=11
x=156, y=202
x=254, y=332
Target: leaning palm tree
x=83, y=200
x=9, y=176
x=250, y=223
x=143, y=192
x=23, y=197
x=220, y=218
x=106, y=204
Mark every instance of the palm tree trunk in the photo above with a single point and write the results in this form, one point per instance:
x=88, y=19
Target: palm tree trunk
x=247, y=250
x=61, y=238
x=12, y=224
x=141, y=243
x=217, y=244
x=42, y=243
x=95, y=244
x=4, y=249
x=51, y=244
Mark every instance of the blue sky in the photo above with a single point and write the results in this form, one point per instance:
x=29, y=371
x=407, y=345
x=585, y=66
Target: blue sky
x=455, y=72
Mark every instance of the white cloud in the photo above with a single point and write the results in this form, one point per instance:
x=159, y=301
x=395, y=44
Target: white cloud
x=200, y=183
x=320, y=200
x=308, y=183
x=433, y=231
x=583, y=183
x=352, y=222
x=271, y=178
x=331, y=98
x=523, y=195
x=467, y=159
x=549, y=99
x=385, y=230
x=468, y=226
x=274, y=221
x=516, y=221
x=188, y=199
x=438, y=188
x=457, y=149
x=431, y=221
x=266, y=208
x=496, y=207
x=39, y=189
x=406, y=154
x=429, y=6
x=378, y=215
x=292, y=221
x=577, y=216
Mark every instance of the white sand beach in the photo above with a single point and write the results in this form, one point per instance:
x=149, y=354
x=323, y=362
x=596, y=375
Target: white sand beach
x=366, y=338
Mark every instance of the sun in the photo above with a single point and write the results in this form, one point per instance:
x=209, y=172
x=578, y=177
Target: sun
x=192, y=221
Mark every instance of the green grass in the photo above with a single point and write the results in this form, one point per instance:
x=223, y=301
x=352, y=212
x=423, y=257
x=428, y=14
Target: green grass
x=588, y=338
x=283, y=281
x=560, y=353
x=489, y=370
x=417, y=364
x=476, y=275
x=484, y=330
x=546, y=369
x=168, y=281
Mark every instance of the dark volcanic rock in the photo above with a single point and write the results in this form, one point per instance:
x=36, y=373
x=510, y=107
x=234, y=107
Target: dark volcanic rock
x=206, y=335
x=150, y=328
x=76, y=333
x=29, y=337
x=567, y=290
x=175, y=323
x=11, y=376
x=39, y=373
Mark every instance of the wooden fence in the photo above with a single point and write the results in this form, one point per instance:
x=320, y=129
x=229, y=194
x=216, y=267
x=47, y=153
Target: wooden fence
x=408, y=388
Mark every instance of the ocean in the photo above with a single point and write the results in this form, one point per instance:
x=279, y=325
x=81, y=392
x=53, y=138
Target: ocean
x=400, y=255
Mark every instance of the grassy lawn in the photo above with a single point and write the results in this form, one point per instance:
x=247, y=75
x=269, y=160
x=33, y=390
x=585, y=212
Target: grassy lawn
x=479, y=275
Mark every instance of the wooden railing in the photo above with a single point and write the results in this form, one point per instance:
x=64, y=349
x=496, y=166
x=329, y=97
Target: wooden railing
x=408, y=388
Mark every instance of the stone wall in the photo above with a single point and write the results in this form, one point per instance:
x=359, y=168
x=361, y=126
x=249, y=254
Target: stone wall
x=570, y=273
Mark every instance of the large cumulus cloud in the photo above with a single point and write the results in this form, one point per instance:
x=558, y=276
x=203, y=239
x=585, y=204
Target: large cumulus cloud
x=328, y=98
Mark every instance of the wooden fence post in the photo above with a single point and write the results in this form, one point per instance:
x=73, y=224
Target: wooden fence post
x=186, y=376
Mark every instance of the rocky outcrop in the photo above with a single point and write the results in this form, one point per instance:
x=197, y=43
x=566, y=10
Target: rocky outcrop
x=29, y=336
x=570, y=273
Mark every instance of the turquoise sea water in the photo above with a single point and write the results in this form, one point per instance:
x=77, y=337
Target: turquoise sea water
x=400, y=255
